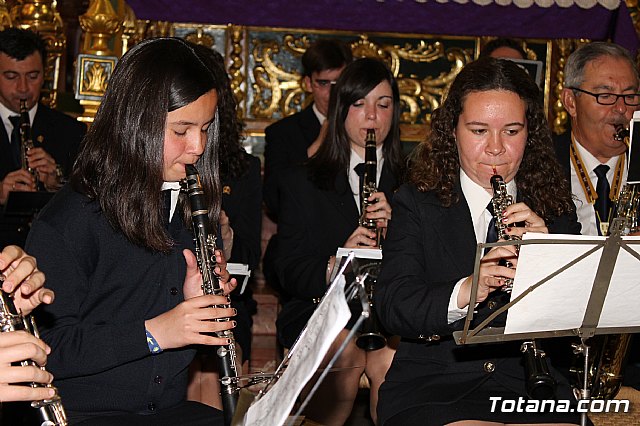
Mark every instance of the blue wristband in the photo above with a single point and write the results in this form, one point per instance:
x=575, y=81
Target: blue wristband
x=154, y=347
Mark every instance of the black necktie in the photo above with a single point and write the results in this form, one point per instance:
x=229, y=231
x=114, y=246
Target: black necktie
x=15, y=139
x=166, y=207
x=492, y=231
x=359, y=169
x=603, y=203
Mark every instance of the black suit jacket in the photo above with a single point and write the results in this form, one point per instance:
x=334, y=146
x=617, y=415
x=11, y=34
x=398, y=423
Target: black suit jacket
x=562, y=145
x=286, y=143
x=427, y=250
x=313, y=224
x=57, y=133
x=242, y=202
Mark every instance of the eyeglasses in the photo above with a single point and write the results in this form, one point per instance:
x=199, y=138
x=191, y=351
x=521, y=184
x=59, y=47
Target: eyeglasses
x=630, y=99
x=323, y=84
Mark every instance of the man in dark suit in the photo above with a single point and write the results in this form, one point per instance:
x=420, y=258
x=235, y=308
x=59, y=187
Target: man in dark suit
x=55, y=136
x=600, y=95
x=293, y=139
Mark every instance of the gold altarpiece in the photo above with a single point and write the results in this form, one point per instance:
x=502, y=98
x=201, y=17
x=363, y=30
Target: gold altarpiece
x=265, y=70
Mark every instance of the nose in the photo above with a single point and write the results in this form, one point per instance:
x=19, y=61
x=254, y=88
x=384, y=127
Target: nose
x=620, y=107
x=198, y=143
x=370, y=112
x=495, y=145
x=23, y=85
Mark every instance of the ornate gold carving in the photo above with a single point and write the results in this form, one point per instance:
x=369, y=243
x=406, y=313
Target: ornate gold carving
x=42, y=17
x=99, y=23
x=236, y=67
x=277, y=89
x=95, y=79
x=560, y=116
x=200, y=37
x=5, y=16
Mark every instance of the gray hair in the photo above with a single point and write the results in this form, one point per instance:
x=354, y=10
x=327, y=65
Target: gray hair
x=578, y=60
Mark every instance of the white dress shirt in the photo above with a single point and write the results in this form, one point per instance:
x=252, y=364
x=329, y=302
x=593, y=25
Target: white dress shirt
x=584, y=210
x=477, y=198
x=175, y=192
x=5, y=113
x=354, y=179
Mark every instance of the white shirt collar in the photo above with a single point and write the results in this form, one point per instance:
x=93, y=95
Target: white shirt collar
x=5, y=113
x=321, y=118
x=354, y=179
x=590, y=162
x=478, y=198
x=175, y=192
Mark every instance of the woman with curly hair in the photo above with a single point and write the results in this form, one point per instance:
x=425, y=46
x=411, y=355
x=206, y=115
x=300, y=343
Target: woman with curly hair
x=492, y=122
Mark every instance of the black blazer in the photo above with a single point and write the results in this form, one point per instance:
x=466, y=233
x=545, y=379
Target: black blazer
x=562, y=145
x=242, y=202
x=57, y=133
x=427, y=250
x=313, y=224
x=286, y=143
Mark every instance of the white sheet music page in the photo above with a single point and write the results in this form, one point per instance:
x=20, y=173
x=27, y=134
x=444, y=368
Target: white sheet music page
x=620, y=307
x=329, y=318
x=560, y=303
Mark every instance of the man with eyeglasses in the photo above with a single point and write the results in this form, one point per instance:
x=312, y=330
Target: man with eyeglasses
x=600, y=95
x=293, y=139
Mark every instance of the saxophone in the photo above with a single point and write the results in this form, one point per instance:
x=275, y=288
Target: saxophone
x=370, y=337
x=608, y=352
x=539, y=382
x=205, y=245
x=26, y=143
x=51, y=411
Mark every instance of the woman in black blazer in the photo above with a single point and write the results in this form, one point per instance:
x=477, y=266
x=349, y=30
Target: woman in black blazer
x=492, y=122
x=129, y=300
x=319, y=213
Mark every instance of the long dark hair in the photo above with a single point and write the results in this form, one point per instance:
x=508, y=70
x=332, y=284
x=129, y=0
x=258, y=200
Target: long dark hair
x=234, y=162
x=121, y=160
x=435, y=164
x=356, y=81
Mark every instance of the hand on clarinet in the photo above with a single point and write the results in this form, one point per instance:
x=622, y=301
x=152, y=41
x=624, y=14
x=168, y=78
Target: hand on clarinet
x=23, y=279
x=521, y=213
x=192, y=286
x=17, y=346
x=40, y=160
x=18, y=180
x=492, y=273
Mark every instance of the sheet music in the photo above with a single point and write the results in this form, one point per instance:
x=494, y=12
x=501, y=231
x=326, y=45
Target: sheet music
x=620, y=307
x=560, y=303
x=240, y=269
x=329, y=318
x=567, y=293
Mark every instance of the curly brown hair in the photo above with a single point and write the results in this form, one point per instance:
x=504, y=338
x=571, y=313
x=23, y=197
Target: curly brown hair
x=435, y=164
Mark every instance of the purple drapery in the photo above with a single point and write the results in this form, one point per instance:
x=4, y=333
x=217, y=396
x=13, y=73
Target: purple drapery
x=404, y=16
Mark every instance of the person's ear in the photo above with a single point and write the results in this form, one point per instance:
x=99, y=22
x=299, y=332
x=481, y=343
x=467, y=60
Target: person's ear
x=568, y=98
x=306, y=82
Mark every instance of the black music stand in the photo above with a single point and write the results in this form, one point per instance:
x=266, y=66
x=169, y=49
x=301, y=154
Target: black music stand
x=268, y=404
x=611, y=248
x=18, y=213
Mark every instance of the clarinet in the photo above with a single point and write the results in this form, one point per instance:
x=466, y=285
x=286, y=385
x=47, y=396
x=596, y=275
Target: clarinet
x=51, y=411
x=205, y=245
x=539, y=382
x=26, y=143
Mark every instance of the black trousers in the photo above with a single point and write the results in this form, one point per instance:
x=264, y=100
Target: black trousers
x=189, y=413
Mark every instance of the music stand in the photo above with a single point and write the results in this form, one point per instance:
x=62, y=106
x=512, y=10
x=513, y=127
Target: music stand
x=593, y=322
x=270, y=406
x=26, y=204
